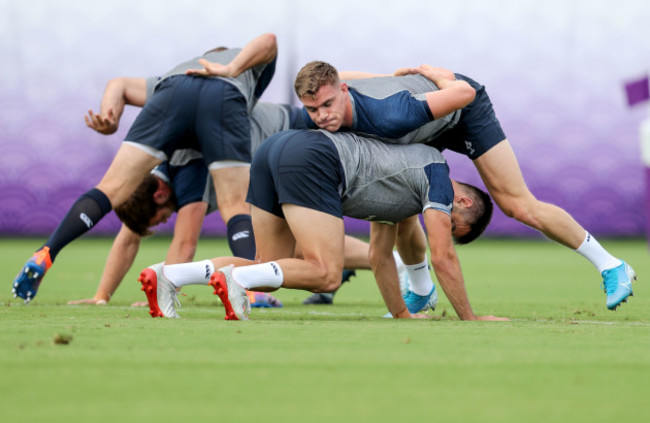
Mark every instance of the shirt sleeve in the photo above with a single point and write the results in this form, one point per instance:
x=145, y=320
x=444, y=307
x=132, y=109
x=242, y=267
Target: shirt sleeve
x=390, y=117
x=441, y=192
x=264, y=75
x=309, y=124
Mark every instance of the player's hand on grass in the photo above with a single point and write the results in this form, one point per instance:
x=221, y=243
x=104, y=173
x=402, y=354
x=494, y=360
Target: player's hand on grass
x=493, y=318
x=211, y=69
x=93, y=301
x=140, y=304
x=419, y=316
x=405, y=314
x=103, y=124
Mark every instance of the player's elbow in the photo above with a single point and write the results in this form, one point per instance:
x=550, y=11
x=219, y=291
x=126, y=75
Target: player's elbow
x=466, y=93
x=376, y=256
x=116, y=85
x=270, y=44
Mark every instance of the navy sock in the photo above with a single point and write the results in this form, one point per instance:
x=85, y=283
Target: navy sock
x=82, y=216
x=240, y=236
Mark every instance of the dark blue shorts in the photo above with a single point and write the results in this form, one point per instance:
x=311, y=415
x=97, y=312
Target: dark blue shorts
x=478, y=129
x=300, y=167
x=189, y=182
x=205, y=114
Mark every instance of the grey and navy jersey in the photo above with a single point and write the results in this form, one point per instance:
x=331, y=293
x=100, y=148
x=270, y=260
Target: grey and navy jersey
x=394, y=109
x=250, y=83
x=389, y=183
x=269, y=118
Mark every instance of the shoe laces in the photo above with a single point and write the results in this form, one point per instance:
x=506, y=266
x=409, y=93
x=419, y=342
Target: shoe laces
x=174, y=294
x=412, y=296
x=610, y=281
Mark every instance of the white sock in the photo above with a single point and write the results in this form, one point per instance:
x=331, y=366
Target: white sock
x=197, y=273
x=421, y=282
x=398, y=261
x=257, y=275
x=597, y=255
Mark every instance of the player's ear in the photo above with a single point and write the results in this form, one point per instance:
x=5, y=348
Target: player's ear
x=162, y=194
x=463, y=201
x=344, y=87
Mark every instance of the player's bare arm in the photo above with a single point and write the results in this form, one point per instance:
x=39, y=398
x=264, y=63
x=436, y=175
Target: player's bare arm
x=118, y=93
x=260, y=51
x=451, y=95
x=447, y=266
x=120, y=258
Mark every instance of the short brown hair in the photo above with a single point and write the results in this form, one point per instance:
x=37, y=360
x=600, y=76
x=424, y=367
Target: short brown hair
x=138, y=210
x=314, y=75
x=478, y=215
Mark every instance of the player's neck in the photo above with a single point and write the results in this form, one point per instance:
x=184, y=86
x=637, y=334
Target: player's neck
x=348, y=116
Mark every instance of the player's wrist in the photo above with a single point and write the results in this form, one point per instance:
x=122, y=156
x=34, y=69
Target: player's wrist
x=101, y=295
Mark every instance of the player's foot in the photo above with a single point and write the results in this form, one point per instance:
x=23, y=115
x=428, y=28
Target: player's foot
x=263, y=300
x=232, y=295
x=417, y=303
x=321, y=298
x=327, y=298
x=161, y=294
x=617, y=283
x=28, y=280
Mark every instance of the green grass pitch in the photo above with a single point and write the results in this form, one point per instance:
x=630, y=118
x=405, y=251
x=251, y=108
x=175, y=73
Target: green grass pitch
x=563, y=358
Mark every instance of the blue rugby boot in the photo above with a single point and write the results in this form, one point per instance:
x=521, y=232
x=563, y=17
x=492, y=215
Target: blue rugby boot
x=28, y=280
x=263, y=300
x=617, y=283
x=417, y=303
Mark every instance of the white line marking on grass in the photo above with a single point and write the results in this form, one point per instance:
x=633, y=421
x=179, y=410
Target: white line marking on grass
x=586, y=322
x=326, y=313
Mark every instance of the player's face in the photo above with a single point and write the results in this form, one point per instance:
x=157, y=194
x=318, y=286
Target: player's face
x=459, y=226
x=161, y=216
x=327, y=107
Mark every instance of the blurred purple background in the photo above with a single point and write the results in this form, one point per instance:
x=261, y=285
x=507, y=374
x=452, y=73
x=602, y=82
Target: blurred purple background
x=555, y=73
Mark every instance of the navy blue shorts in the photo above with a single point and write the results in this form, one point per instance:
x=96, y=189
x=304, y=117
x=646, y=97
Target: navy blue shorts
x=205, y=114
x=300, y=167
x=478, y=129
x=189, y=182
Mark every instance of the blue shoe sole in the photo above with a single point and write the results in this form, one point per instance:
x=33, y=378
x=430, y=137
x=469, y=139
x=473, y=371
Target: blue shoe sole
x=27, y=282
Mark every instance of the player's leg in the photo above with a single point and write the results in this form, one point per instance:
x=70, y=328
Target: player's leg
x=355, y=258
x=231, y=185
x=321, y=238
x=274, y=241
x=412, y=246
x=500, y=172
x=128, y=169
x=223, y=132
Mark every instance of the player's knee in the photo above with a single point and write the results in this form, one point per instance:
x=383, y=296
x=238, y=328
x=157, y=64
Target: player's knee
x=522, y=210
x=329, y=279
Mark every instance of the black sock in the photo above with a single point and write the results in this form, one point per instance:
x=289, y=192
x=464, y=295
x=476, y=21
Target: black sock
x=240, y=236
x=82, y=216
